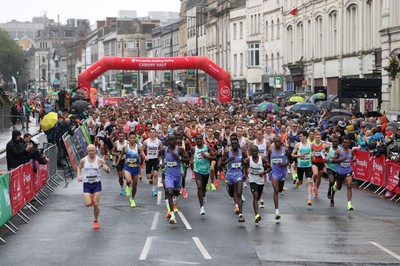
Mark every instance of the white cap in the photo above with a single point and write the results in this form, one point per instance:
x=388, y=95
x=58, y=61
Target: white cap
x=35, y=141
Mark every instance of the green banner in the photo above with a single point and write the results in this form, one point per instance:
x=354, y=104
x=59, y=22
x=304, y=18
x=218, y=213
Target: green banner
x=5, y=203
x=85, y=132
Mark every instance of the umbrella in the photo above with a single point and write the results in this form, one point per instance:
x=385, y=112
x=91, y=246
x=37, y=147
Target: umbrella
x=297, y=99
x=338, y=118
x=305, y=108
x=49, y=121
x=336, y=112
x=251, y=106
x=393, y=124
x=373, y=114
x=79, y=105
x=318, y=96
x=368, y=125
x=329, y=105
x=268, y=106
x=54, y=93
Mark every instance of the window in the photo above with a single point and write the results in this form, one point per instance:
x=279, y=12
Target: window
x=130, y=45
x=368, y=25
x=278, y=63
x=235, y=65
x=272, y=64
x=289, y=32
x=272, y=30
x=254, y=54
x=234, y=31
x=241, y=64
x=259, y=24
x=266, y=31
x=333, y=33
x=241, y=30
x=300, y=38
x=278, y=31
x=318, y=37
x=351, y=29
x=55, y=33
x=149, y=44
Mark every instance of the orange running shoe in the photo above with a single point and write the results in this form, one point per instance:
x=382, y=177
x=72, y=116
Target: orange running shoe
x=309, y=202
x=96, y=225
x=237, y=210
x=168, y=215
x=221, y=176
x=175, y=208
x=216, y=183
x=184, y=193
x=193, y=176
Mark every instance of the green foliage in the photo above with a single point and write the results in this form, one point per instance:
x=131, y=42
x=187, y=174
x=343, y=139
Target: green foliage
x=11, y=59
x=393, y=68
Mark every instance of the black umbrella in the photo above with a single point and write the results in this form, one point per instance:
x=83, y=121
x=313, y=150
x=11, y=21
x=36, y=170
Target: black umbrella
x=251, y=106
x=368, y=125
x=373, y=114
x=329, y=105
x=305, y=108
x=336, y=112
x=80, y=105
x=338, y=118
x=393, y=124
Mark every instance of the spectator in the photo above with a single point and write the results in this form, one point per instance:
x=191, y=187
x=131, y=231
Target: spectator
x=35, y=154
x=14, y=114
x=15, y=151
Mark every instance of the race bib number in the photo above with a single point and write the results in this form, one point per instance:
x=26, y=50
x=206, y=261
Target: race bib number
x=318, y=153
x=345, y=164
x=292, y=144
x=306, y=157
x=236, y=165
x=131, y=160
x=172, y=164
x=153, y=151
x=277, y=160
x=91, y=179
x=254, y=171
x=199, y=156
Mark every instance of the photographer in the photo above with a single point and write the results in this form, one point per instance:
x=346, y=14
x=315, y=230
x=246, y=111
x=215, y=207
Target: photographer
x=35, y=153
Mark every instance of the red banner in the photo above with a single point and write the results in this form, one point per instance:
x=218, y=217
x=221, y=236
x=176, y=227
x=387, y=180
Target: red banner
x=377, y=172
x=361, y=167
x=17, y=189
x=44, y=173
x=392, y=176
x=28, y=182
x=70, y=152
x=111, y=101
x=37, y=178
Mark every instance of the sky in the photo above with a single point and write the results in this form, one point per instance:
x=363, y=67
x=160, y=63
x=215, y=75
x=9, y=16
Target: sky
x=25, y=10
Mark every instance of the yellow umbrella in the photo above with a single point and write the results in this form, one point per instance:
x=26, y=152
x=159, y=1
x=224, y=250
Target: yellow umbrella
x=49, y=121
x=297, y=99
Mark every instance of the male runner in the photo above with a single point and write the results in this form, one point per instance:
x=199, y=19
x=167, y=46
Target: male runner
x=116, y=152
x=152, y=146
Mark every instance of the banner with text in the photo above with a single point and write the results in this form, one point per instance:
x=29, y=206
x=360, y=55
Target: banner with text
x=17, y=189
x=5, y=201
x=393, y=176
x=361, y=167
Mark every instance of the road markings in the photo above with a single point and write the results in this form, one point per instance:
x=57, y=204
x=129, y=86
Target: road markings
x=185, y=222
x=391, y=253
x=201, y=248
x=159, y=194
x=155, y=220
x=159, y=183
x=146, y=248
x=178, y=262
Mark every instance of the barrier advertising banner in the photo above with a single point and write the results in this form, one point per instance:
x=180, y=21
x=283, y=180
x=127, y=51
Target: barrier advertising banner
x=82, y=141
x=44, y=173
x=5, y=202
x=361, y=165
x=77, y=146
x=71, y=153
x=392, y=176
x=27, y=172
x=17, y=189
x=37, y=179
x=377, y=172
x=85, y=132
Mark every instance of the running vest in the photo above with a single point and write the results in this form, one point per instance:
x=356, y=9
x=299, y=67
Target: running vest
x=330, y=164
x=121, y=146
x=91, y=171
x=344, y=167
x=201, y=165
x=172, y=165
x=276, y=158
x=164, y=139
x=243, y=143
x=306, y=160
x=235, y=166
x=132, y=156
x=318, y=153
x=254, y=171
x=262, y=148
x=152, y=149
x=292, y=140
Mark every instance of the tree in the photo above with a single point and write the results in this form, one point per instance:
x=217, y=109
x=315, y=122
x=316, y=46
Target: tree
x=11, y=59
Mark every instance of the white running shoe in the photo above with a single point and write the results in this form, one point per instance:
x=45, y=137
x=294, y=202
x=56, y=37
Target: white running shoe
x=243, y=198
x=202, y=211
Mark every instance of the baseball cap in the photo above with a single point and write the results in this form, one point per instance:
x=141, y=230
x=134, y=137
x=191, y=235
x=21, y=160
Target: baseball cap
x=35, y=141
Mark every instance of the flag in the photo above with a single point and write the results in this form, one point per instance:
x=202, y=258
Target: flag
x=103, y=78
x=293, y=11
x=15, y=83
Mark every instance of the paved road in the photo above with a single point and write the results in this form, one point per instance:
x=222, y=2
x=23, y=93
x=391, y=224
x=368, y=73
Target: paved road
x=61, y=233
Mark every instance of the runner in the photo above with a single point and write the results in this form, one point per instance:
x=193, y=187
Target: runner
x=302, y=151
x=318, y=162
x=152, y=146
x=116, y=152
x=173, y=156
x=236, y=159
x=212, y=142
x=258, y=167
x=132, y=153
x=343, y=157
x=202, y=154
x=331, y=167
x=279, y=155
x=292, y=139
x=88, y=171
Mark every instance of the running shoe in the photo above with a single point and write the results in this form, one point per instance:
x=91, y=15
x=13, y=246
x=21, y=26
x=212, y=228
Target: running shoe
x=216, y=183
x=237, y=210
x=243, y=198
x=329, y=195
x=309, y=202
x=208, y=187
x=113, y=165
x=92, y=198
x=168, y=215
x=175, y=208
x=172, y=220
x=140, y=177
x=96, y=225
x=245, y=184
x=297, y=183
x=121, y=192
x=240, y=218
x=221, y=176
x=193, y=176
x=334, y=187
x=128, y=191
x=284, y=189
x=202, y=211
x=213, y=188
x=332, y=202
x=294, y=179
x=257, y=218
x=132, y=202
x=262, y=205
x=316, y=192
x=277, y=216
x=154, y=193
x=184, y=193
x=349, y=206
x=111, y=157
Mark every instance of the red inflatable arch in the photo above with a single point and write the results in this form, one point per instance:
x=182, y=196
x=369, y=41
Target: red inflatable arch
x=166, y=63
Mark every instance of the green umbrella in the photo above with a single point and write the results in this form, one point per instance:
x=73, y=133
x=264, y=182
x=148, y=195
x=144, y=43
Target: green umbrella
x=268, y=106
x=54, y=93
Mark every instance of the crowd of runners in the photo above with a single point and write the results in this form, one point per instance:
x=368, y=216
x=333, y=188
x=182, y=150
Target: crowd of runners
x=223, y=146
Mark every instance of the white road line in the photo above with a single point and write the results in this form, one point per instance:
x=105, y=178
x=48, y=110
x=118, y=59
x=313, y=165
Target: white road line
x=155, y=220
x=146, y=248
x=391, y=253
x=201, y=248
x=159, y=194
x=179, y=262
x=185, y=222
x=159, y=182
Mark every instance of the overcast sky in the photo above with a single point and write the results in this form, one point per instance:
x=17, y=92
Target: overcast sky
x=24, y=10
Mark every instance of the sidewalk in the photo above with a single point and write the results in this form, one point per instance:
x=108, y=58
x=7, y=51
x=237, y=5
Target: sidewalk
x=5, y=134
